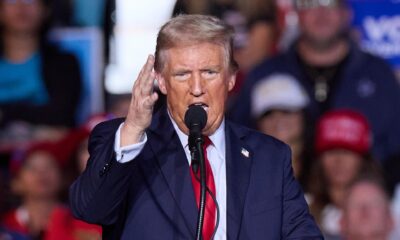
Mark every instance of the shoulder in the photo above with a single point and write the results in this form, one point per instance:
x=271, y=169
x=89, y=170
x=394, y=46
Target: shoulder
x=103, y=135
x=267, y=154
x=375, y=69
x=271, y=63
x=281, y=63
x=369, y=60
x=107, y=127
x=257, y=140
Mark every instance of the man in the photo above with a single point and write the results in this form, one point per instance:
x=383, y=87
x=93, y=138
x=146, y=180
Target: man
x=335, y=74
x=366, y=212
x=138, y=183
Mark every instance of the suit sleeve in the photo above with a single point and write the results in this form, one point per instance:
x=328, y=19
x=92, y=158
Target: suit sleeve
x=97, y=195
x=297, y=221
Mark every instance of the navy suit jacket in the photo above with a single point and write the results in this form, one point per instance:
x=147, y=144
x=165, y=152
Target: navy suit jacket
x=151, y=197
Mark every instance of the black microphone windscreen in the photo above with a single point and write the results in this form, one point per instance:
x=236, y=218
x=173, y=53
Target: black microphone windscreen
x=195, y=116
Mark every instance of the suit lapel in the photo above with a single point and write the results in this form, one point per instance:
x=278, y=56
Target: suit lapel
x=174, y=169
x=238, y=166
x=179, y=203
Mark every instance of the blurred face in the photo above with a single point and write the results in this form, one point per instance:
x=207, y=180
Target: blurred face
x=286, y=126
x=196, y=74
x=340, y=166
x=322, y=25
x=39, y=177
x=366, y=214
x=21, y=16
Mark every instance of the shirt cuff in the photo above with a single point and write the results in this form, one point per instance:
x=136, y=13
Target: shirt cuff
x=127, y=153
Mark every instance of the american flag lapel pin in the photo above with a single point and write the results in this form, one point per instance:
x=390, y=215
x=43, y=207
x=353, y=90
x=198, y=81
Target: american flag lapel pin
x=245, y=153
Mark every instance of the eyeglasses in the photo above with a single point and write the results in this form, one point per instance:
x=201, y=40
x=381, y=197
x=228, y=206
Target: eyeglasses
x=307, y=4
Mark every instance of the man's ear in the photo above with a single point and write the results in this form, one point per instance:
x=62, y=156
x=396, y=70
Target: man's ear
x=231, y=81
x=161, y=83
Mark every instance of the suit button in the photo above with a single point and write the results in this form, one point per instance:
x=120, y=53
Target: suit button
x=104, y=170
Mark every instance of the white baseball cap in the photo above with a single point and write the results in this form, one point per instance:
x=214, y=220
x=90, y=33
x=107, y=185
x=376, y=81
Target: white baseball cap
x=279, y=91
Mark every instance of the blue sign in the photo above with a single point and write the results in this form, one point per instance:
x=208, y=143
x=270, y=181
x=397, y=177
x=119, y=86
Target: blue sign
x=378, y=22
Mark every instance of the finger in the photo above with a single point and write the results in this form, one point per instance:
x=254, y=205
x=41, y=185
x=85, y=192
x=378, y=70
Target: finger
x=146, y=70
x=140, y=75
x=148, y=85
x=147, y=74
x=145, y=89
x=150, y=101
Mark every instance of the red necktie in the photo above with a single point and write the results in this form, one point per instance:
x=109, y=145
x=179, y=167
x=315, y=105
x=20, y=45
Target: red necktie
x=210, y=210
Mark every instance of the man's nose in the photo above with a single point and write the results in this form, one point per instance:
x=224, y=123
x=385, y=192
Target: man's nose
x=197, y=87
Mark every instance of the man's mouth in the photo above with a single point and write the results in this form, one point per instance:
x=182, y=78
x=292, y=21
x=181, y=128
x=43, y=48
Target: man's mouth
x=203, y=105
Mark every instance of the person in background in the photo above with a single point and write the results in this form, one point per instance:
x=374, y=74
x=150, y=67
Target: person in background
x=342, y=145
x=335, y=73
x=278, y=104
x=78, y=140
x=366, y=212
x=39, y=84
x=38, y=181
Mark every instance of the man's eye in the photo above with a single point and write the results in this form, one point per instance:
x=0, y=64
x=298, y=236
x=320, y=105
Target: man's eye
x=210, y=73
x=181, y=76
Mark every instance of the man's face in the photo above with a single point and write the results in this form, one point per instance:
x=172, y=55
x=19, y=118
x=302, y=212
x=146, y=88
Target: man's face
x=196, y=74
x=366, y=214
x=322, y=25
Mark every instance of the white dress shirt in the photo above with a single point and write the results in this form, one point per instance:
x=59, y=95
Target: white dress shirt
x=216, y=156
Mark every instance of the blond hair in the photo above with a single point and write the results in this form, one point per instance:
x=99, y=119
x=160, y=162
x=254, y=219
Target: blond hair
x=188, y=30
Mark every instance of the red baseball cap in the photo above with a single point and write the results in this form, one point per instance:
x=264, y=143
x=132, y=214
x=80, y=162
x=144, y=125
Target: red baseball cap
x=20, y=156
x=345, y=129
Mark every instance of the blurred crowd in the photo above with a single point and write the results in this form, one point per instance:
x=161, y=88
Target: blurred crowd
x=311, y=87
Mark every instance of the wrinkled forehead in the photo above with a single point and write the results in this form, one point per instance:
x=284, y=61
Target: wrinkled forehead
x=308, y=4
x=185, y=50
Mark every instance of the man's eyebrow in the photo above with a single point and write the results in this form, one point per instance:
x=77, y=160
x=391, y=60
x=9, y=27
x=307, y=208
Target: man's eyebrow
x=212, y=67
x=181, y=70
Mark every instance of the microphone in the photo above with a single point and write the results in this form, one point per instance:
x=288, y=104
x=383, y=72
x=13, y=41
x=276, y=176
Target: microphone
x=195, y=120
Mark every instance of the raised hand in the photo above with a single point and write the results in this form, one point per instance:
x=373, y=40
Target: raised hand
x=141, y=106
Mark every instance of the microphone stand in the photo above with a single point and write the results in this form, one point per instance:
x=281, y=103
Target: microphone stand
x=196, y=120
x=202, y=201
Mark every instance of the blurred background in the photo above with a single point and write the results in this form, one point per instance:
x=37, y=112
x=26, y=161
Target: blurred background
x=322, y=76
